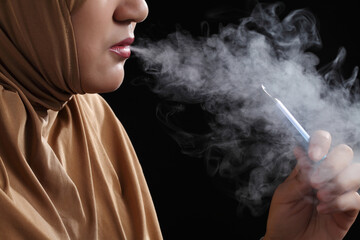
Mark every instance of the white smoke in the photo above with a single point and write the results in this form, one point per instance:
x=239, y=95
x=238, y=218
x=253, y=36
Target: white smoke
x=248, y=139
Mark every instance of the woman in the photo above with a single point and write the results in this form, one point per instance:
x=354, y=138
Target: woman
x=67, y=168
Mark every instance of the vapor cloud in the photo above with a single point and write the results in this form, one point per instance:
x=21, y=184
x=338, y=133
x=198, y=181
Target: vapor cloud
x=247, y=139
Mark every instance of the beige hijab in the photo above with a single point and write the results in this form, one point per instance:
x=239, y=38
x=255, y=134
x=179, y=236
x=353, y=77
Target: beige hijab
x=67, y=167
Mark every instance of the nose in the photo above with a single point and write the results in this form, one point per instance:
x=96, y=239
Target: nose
x=131, y=10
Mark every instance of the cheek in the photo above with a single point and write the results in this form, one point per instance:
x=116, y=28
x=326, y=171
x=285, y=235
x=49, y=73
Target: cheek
x=100, y=70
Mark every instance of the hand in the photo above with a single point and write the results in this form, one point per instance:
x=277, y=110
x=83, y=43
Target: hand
x=319, y=199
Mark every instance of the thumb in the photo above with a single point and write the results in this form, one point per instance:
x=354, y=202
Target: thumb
x=304, y=165
x=297, y=185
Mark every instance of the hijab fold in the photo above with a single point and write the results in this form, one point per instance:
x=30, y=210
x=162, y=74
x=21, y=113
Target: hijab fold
x=38, y=52
x=71, y=171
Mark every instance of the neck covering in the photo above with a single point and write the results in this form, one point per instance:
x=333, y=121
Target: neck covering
x=67, y=167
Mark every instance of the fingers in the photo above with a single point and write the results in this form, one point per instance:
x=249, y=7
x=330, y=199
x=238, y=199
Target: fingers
x=349, y=201
x=335, y=162
x=335, y=177
x=348, y=180
x=319, y=145
x=337, y=180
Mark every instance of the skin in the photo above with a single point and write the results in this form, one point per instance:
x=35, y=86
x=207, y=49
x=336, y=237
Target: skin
x=98, y=25
x=317, y=201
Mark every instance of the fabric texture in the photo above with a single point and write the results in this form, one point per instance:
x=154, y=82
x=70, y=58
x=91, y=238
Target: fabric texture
x=67, y=167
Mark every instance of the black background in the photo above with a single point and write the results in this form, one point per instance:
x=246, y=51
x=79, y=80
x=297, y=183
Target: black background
x=191, y=204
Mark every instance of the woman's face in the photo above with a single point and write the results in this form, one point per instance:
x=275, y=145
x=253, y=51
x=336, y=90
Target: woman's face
x=104, y=30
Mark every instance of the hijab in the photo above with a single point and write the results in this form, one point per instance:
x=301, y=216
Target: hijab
x=67, y=167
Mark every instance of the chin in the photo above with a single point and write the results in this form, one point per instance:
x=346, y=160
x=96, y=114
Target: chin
x=105, y=86
x=112, y=88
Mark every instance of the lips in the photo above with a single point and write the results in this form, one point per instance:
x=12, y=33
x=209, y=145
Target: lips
x=122, y=48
